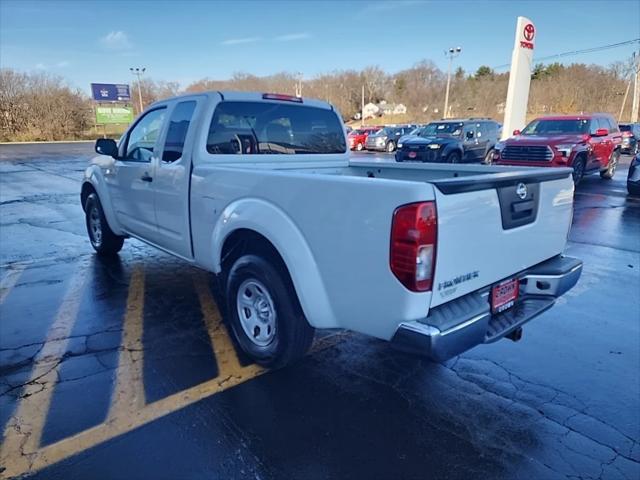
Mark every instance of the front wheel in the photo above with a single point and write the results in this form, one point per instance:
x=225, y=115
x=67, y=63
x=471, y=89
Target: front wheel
x=359, y=147
x=611, y=166
x=102, y=238
x=488, y=158
x=391, y=147
x=454, y=157
x=264, y=312
x=578, y=171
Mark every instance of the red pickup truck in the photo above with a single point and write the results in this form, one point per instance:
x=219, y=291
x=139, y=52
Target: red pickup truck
x=357, y=138
x=588, y=143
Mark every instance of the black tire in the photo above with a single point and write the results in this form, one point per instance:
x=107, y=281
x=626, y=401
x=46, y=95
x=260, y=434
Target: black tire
x=488, y=158
x=611, y=166
x=454, y=157
x=633, y=189
x=102, y=238
x=391, y=146
x=291, y=336
x=578, y=170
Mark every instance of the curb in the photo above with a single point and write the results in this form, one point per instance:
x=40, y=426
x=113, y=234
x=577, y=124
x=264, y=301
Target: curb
x=51, y=141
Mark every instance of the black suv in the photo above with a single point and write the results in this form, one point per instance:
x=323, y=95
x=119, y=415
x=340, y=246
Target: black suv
x=452, y=141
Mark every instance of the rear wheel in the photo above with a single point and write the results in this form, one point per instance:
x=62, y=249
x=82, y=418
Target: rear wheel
x=578, y=170
x=264, y=312
x=454, y=157
x=611, y=166
x=102, y=238
x=488, y=158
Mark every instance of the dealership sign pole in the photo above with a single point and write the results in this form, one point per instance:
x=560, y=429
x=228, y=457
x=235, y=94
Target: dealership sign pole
x=515, y=112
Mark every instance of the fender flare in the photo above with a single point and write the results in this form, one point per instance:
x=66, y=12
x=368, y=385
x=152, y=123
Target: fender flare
x=93, y=176
x=276, y=226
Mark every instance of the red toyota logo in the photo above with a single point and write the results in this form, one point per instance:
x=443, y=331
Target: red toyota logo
x=529, y=31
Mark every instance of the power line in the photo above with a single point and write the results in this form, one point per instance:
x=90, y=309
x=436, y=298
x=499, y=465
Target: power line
x=577, y=52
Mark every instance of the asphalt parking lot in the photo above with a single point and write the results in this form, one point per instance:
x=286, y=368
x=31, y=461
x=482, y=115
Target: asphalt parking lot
x=123, y=369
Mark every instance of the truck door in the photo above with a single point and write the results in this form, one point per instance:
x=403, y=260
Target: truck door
x=600, y=154
x=131, y=182
x=171, y=182
x=471, y=143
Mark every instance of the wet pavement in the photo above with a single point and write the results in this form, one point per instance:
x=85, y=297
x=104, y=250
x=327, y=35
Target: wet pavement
x=123, y=369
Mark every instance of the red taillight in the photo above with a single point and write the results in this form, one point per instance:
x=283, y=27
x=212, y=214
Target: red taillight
x=414, y=234
x=281, y=96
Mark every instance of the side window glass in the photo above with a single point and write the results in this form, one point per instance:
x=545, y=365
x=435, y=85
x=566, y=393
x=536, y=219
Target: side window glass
x=177, y=131
x=595, y=125
x=142, y=139
x=468, y=132
x=613, y=126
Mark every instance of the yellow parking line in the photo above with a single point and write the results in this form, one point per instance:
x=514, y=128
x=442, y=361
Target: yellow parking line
x=123, y=420
x=225, y=353
x=23, y=432
x=10, y=279
x=128, y=394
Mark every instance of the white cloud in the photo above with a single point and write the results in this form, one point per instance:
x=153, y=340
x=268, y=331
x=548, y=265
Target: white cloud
x=240, y=41
x=290, y=37
x=116, y=40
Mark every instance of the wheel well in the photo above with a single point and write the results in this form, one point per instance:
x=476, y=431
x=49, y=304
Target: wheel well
x=87, y=189
x=244, y=241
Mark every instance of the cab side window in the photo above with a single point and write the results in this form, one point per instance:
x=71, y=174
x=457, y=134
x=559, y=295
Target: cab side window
x=177, y=132
x=142, y=138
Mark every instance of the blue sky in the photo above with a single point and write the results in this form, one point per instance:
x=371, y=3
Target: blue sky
x=95, y=41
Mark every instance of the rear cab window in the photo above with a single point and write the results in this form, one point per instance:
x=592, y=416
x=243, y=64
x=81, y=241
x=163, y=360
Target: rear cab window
x=255, y=128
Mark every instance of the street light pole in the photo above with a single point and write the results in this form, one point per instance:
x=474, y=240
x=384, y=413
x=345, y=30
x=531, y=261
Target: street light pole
x=451, y=53
x=138, y=73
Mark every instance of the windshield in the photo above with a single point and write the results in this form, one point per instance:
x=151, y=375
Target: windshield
x=356, y=132
x=625, y=128
x=445, y=129
x=557, y=127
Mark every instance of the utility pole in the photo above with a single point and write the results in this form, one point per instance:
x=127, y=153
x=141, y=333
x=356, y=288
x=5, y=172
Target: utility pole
x=362, y=108
x=451, y=53
x=138, y=73
x=299, y=85
x=636, y=88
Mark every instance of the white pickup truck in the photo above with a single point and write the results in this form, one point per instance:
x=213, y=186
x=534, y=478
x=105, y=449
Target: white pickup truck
x=260, y=190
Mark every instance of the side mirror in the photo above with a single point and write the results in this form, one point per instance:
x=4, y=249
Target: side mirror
x=601, y=132
x=469, y=134
x=516, y=132
x=107, y=146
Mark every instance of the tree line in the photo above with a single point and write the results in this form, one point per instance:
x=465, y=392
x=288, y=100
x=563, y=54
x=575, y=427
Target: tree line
x=38, y=106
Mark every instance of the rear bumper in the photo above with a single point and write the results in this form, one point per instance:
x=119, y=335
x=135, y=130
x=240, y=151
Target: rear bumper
x=461, y=324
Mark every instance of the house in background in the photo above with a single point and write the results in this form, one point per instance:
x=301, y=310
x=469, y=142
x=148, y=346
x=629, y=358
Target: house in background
x=370, y=110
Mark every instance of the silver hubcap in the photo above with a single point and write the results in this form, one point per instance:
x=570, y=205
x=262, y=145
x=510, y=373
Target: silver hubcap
x=256, y=311
x=95, y=226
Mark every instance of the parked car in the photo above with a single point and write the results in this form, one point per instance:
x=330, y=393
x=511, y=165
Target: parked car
x=630, y=138
x=451, y=141
x=386, y=139
x=358, y=137
x=311, y=240
x=633, y=177
x=588, y=143
x=413, y=133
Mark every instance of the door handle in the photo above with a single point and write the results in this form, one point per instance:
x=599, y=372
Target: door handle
x=146, y=177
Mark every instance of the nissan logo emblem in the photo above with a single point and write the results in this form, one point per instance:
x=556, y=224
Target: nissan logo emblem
x=521, y=191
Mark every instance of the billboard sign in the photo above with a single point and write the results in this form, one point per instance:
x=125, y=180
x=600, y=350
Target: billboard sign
x=110, y=92
x=113, y=115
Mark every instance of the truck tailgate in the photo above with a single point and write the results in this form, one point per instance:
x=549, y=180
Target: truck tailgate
x=493, y=226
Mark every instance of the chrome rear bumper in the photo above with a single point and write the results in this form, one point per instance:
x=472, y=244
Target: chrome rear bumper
x=465, y=322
